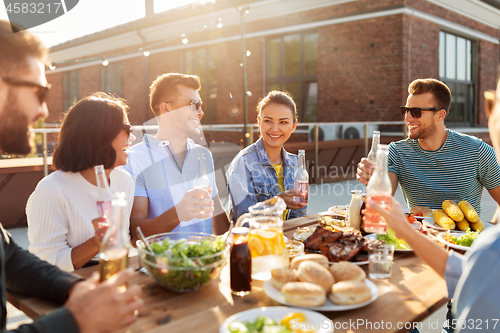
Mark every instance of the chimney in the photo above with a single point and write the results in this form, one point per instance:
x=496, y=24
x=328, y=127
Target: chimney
x=150, y=8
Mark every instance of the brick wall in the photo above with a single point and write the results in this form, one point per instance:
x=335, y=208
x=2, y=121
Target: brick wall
x=364, y=67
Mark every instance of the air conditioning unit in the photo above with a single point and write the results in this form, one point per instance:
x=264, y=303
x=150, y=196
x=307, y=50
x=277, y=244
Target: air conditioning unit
x=329, y=132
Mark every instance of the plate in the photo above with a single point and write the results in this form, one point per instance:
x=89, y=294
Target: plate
x=374, y=237
x=431, y=223
x=441, y=239
x=319, y=321
x=278, y=296
x=339, y=210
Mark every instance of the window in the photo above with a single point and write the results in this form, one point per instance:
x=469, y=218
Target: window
x=202, y=62
x=291, y=65
x=71, y=82
x=112, y=78
x=456, y=56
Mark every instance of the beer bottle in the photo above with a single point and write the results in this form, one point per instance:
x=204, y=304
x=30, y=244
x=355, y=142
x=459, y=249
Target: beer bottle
x=116, y=242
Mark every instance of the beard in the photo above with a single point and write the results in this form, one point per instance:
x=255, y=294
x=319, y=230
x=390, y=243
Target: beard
x=424, y=133
x=15, y=137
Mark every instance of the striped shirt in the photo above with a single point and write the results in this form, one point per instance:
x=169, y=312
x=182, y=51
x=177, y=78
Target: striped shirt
x=456, y=171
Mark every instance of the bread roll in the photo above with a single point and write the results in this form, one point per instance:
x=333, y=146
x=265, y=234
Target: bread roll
x=350, y=292
x=347, y=271
x=311, y=271
x=281, y=276
x=319, y=258
x=304, y=294
x=425, y=211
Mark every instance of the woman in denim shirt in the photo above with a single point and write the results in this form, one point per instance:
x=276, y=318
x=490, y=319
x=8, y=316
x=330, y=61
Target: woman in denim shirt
x=254, y=174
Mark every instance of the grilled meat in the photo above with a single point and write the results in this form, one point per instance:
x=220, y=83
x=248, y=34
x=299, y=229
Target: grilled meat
x=321, y=236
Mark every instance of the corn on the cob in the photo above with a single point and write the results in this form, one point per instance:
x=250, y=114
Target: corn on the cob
x=463, y=225
x=478, y=226
x=469, y=211
x=451, y=208
x=442, y=219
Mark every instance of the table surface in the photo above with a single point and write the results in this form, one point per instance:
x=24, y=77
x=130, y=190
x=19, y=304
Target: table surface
x=413, y=292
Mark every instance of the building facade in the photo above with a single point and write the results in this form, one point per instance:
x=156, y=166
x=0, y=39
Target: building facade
x=342, y=60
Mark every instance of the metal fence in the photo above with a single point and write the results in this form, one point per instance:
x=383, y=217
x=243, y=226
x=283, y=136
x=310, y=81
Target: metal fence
x=312, y=129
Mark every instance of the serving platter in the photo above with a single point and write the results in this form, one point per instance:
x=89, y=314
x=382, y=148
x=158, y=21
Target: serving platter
x=374, y=237
x=320, y=322
x=431, y=223
x=408, y=210
x=442, y=240
x=278, y=296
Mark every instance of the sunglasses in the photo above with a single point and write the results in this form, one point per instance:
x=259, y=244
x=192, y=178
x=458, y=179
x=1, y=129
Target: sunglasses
x=40, y=91
x=490, y=100
x=195, y=104
x=127, y=128
x=416, y=112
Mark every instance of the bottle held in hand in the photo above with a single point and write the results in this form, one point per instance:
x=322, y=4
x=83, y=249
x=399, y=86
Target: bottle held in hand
x=240, y=263
x=372, y=155
x=104, y=195
x=116, y=243
x=301, y=179
x=202, y=182
x=379, y=189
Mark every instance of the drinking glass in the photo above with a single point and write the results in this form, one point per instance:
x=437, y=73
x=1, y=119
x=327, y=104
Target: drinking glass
x=380, y=261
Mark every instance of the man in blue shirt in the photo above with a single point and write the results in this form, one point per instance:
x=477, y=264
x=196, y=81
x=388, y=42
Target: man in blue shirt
x=434, y=163
x=166, y=165
x=472, y=279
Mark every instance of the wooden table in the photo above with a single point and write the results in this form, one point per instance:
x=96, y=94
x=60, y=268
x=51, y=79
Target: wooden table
x=412, y=293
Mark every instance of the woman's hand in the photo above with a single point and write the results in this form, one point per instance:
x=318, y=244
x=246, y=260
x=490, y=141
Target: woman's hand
x=100, y=227
x=394, y=217
x=288, y=197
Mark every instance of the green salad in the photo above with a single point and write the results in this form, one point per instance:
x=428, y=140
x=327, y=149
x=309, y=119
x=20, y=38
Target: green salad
x=185, y=265
x=465, y=240
x=390, y=238
x=260, y=324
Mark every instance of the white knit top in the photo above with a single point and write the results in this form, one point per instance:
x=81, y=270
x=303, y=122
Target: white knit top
x=60, y=213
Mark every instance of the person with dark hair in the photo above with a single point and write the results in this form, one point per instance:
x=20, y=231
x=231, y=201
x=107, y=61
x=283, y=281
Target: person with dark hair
x=62, y=211
x=265, y=169
x=165, y=165
x=471, y=279
x=435, y=163
x=88, y=305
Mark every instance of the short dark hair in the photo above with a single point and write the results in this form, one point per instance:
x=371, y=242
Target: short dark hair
x=280, y=98
x=164, y=88
x=88, y=131
x=440, y=91
x=17, y=47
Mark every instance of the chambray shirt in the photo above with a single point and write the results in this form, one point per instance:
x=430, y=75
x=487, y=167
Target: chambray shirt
x=473, y=281
x=251, y=178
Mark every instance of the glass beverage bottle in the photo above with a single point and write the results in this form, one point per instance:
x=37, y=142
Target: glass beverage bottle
x=355, y=209
x=379, y=189
x=115, y=244
x=240, y=263
x=301, y=179
x=202, y=182
x=104, y=195
x=372, y=155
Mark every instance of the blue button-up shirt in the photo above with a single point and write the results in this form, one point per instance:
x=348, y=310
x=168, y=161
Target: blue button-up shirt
x=251, y=178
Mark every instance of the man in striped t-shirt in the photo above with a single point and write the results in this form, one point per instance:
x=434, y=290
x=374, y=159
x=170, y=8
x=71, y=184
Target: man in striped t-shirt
x=434, y=163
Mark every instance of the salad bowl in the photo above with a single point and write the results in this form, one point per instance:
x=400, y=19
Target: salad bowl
x=184, y=261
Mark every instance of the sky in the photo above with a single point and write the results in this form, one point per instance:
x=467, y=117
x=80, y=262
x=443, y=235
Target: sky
x=90, y=16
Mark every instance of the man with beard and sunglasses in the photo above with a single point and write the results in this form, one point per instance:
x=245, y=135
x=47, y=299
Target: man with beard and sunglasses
x=88, y=304
x=435, y=163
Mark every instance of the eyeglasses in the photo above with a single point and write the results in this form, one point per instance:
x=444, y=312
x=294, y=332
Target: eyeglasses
x=490, y=100
x=127, y=128
x=195, y=104
x=40, y=91
x=416, y=112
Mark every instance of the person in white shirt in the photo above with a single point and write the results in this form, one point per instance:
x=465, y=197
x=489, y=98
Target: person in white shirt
x=62, y=211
